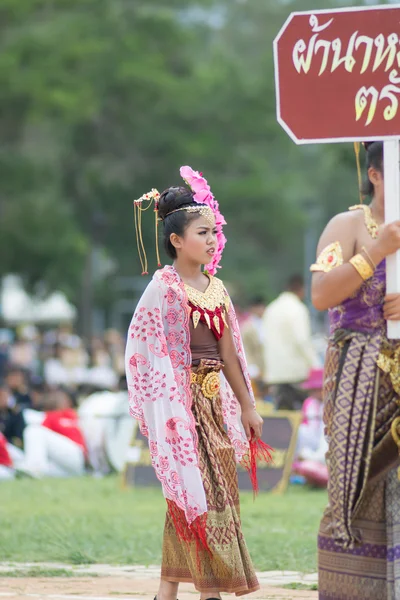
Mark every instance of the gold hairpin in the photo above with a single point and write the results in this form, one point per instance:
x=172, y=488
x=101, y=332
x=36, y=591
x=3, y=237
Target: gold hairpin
x=357, y=151
x=139, y=208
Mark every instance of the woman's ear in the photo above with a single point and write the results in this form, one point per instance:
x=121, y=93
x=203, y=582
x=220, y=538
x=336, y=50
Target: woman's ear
x=374, y=176
x=175, y=240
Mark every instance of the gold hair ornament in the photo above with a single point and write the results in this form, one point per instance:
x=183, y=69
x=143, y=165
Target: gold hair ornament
x=140, y=206
x=205, y=211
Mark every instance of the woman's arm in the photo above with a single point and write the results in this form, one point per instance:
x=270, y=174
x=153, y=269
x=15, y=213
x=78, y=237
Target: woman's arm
x=332, y=288
x=233, y=372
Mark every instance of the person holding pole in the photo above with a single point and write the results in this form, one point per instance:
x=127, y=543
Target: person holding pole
x=359, y=536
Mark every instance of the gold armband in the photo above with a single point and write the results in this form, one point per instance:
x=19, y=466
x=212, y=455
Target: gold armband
x=367, y=254
x=362, y=266
x=330, y=257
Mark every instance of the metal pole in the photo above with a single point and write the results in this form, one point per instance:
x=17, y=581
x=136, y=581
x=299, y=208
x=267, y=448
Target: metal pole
x=391, y=154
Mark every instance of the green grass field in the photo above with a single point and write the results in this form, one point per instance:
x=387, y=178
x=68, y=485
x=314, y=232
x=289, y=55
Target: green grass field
x=96, y=521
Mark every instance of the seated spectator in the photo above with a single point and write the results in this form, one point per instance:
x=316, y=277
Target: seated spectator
x=312, y=413
x=6, y=464
x=55, y=372
x=115, y=344
x=55, y=447
x=311, y=443
x=12, y=422
x=38, y=393
x=5, y=401
x=4, y=351
x=16, y=381
x=23, y=352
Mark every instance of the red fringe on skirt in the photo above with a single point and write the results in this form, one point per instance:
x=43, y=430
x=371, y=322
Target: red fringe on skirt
x=196, y=532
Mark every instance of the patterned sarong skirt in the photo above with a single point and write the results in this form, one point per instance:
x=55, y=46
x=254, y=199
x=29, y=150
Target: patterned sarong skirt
x=228, y=568
x=359, y=536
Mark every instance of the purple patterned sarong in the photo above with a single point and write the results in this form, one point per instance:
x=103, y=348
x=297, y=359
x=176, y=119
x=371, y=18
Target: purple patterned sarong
x=359, y=537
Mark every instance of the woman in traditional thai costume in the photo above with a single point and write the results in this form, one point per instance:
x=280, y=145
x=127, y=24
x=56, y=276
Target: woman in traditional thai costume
x=187, y=378
x=359, y=537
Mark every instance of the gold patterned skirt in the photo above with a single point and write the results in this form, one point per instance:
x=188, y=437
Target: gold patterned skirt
x=228, y=568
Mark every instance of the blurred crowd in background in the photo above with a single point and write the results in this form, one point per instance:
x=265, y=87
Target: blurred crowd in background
x=64, y=405
x=100, y=103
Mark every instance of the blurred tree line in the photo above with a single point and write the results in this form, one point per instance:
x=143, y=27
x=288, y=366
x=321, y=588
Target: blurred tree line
x=102, y=100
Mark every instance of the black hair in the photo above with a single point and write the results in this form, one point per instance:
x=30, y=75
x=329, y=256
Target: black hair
x=374, y=152
x=37, y=384
x=170, y=200
x=295, y=283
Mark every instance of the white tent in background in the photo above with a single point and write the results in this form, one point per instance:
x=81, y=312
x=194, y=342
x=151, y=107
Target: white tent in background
x=16, y=306
x=55, y=309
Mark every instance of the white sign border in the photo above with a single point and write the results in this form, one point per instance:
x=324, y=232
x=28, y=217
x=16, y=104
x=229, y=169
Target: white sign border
x=282, y=123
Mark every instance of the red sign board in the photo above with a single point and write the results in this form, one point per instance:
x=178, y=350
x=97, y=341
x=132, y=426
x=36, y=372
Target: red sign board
x=337, y=74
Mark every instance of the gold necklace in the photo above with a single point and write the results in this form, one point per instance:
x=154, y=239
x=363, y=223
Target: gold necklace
x=370, y=223
x=214, y=297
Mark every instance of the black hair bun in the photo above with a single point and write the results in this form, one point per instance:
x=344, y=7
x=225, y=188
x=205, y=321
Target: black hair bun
x=172, y=199
x=367, y=145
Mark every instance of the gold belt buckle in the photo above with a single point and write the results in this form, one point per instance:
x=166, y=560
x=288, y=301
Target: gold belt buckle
x=210, y=383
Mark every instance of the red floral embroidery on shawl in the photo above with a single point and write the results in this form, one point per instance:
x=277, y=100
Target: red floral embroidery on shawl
x=158, y=370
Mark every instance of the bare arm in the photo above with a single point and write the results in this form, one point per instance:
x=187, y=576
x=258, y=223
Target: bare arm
x=332, y=288
x=233, y=370
x=251, y=420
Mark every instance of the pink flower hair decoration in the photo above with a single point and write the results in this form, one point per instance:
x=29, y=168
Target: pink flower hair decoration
x=202, y=195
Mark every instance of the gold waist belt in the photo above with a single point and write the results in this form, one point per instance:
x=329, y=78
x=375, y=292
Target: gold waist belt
x=209, y=382
x=389, y=361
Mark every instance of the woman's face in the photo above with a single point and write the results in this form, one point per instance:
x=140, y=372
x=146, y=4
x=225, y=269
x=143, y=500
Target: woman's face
x=198, y=243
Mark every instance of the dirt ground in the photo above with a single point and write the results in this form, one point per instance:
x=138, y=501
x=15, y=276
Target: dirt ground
x=121, y=588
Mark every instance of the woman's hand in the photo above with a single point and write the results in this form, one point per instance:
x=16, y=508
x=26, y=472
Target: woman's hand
x=251, y=420
x=391, y=307
x=388, y=240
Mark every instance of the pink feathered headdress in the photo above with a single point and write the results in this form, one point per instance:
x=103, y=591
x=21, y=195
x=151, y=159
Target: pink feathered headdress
x=203, y=195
